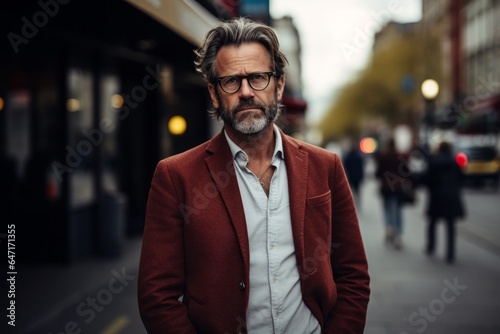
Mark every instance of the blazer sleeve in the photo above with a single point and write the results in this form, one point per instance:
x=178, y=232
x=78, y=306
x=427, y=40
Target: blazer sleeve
x=348, y=259
x=161, y=268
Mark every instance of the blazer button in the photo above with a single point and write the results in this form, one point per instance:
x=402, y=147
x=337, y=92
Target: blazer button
x=242, y=285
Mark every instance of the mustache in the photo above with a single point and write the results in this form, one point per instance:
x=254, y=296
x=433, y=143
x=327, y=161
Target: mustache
x=246, y=104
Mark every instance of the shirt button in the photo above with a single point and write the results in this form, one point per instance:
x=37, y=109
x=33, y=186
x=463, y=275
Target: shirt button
x=242, y=285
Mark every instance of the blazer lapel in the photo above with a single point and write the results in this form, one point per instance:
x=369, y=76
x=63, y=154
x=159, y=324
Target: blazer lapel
x=220, y=164
x=297, y=171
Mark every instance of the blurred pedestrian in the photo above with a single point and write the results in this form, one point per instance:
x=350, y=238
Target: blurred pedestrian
x=252, y=231
x=393, y=175
x=354, y=168
x=443, y=178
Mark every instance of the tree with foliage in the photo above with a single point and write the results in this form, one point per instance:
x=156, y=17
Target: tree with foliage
x=387, y=89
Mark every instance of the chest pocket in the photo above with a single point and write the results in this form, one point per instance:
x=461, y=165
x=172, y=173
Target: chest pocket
x=319, y=200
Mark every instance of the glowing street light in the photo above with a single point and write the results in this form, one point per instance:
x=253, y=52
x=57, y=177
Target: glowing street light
x=430, y=89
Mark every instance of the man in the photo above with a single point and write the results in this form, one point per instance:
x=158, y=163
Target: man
x=251, y=231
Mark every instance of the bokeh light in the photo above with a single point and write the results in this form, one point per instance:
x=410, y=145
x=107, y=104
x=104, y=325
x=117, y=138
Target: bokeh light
x=177, y=125
x=430, y=89
x=73, y=105
x=461, y=159
x=368, y=145
x=117, y=101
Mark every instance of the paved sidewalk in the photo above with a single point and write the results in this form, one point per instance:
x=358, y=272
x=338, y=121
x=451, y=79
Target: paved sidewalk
x=49, y=295
x=412, y=293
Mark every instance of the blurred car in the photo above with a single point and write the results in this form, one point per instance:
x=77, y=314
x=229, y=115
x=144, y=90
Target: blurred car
x=480, y=164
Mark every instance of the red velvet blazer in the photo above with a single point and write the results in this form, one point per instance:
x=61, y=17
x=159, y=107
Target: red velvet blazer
x=195, y=243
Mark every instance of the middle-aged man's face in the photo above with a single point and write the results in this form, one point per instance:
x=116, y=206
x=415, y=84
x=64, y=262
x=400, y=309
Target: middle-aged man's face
x=247, y=111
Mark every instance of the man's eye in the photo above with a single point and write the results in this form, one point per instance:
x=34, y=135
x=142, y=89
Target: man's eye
x=257, y=77
x=231, y=81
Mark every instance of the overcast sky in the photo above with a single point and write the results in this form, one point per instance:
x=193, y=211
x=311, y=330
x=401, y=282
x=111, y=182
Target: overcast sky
x=336, y=38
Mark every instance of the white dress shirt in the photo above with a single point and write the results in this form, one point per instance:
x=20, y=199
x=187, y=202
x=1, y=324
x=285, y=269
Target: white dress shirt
x=275, y=303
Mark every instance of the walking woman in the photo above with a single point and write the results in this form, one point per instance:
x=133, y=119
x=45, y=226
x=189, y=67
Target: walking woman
x=390, y=172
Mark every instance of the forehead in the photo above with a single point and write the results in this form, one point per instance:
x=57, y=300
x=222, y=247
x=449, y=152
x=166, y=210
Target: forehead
x=245, y=58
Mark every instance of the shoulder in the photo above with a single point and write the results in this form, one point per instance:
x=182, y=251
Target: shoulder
x=312, y=151
x=190, y=157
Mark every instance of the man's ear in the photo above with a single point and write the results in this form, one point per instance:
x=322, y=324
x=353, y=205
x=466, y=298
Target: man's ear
x=213, y=95
x=281, y=87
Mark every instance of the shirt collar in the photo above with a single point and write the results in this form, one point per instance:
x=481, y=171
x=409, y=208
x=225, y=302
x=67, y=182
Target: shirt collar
x=241, y=157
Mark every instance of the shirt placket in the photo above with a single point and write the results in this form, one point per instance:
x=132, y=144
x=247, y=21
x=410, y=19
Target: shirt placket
x=274, y=257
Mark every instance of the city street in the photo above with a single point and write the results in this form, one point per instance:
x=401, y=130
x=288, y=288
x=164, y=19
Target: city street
x=411, y=293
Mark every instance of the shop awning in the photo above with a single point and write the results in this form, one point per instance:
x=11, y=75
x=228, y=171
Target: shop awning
x=187, y=18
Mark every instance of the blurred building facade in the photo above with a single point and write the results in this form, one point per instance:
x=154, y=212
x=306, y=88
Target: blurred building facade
x=438, y=41
x=481, y=52
x=87, y=94
x=88, y=98
x=292, y=120
x=393, y=30
x=462, y=38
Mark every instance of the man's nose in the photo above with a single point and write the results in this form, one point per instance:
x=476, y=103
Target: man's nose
x=245, y=89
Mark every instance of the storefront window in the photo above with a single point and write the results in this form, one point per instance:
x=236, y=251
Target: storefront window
x=80, y=144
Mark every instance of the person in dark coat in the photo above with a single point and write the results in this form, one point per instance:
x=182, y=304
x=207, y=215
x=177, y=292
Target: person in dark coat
x=443, y=179
x=354, y=169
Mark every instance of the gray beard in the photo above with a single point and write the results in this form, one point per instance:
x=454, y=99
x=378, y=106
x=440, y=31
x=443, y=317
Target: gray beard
x=250, y=124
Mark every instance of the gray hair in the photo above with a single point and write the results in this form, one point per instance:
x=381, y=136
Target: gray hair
x=237, y=32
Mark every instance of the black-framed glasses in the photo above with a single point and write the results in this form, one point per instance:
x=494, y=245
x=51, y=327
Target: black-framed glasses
x=257, y=81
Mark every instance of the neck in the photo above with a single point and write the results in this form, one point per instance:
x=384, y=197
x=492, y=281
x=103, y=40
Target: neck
x=259, y=147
